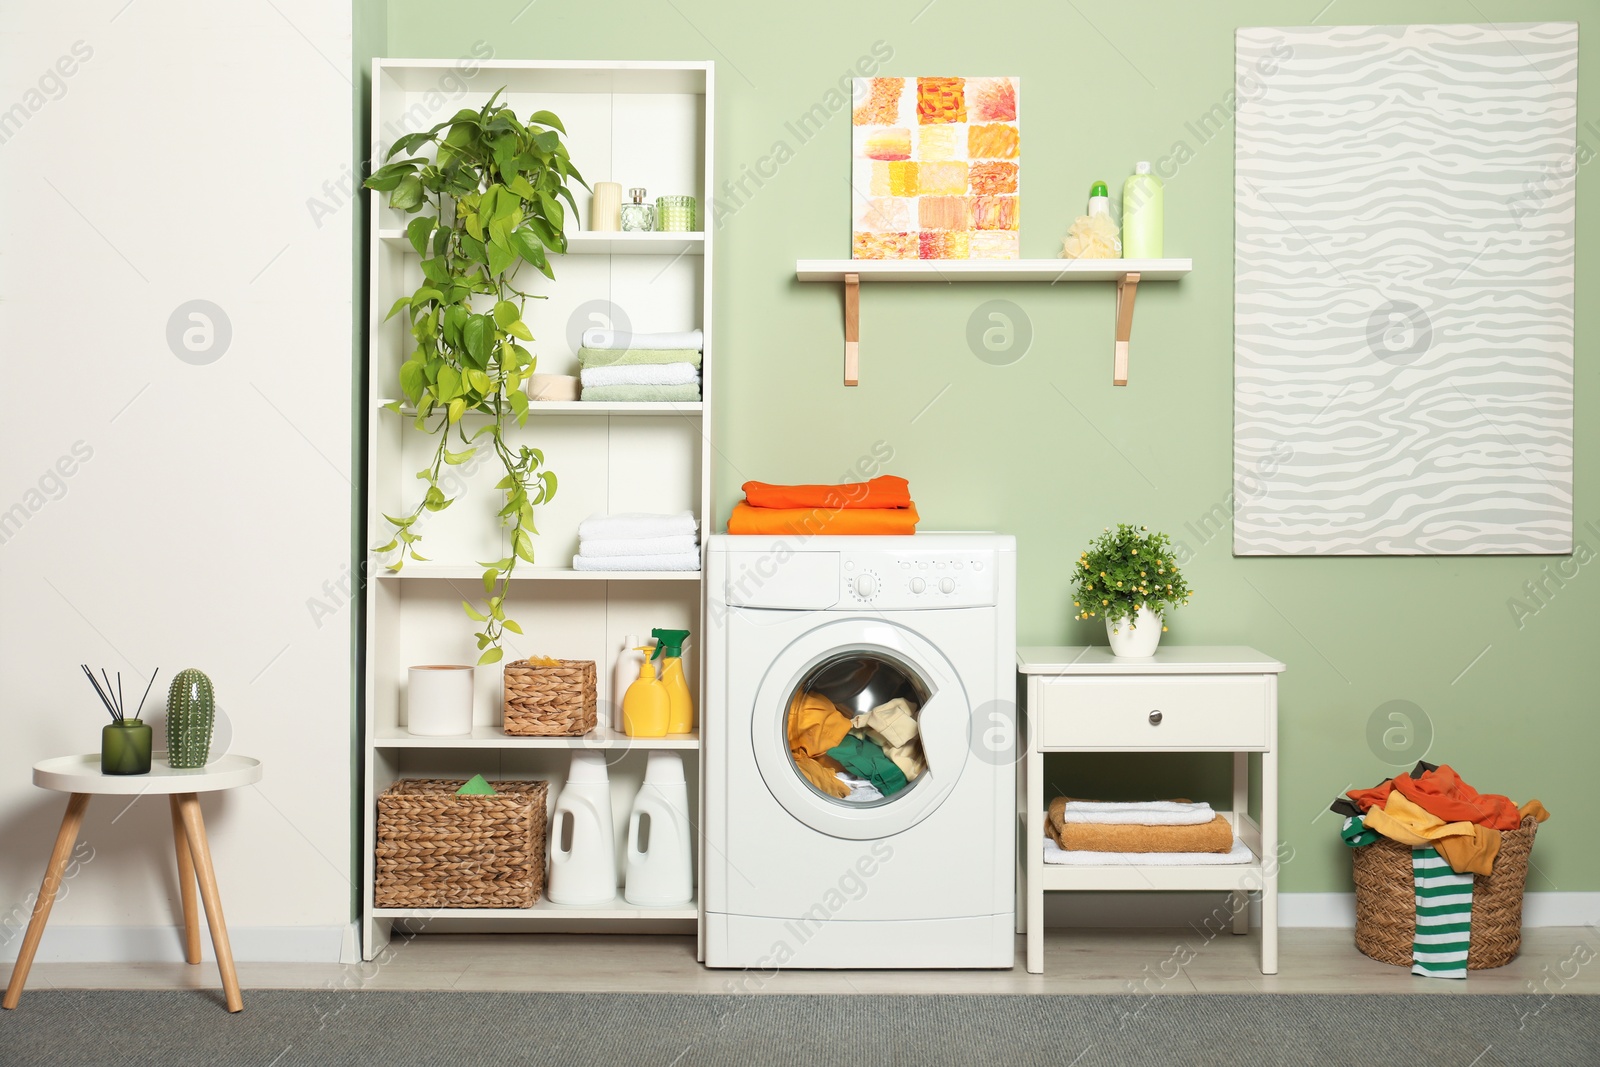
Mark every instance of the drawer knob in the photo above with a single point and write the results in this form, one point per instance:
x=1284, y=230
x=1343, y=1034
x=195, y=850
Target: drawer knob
x=1155, y=718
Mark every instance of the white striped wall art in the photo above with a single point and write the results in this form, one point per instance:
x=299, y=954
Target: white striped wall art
x=1403, y=289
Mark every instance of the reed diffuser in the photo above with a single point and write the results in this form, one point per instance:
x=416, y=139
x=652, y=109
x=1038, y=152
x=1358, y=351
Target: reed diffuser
x=125, y=743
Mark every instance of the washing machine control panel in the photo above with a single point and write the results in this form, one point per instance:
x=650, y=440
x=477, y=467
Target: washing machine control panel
x=900, y=580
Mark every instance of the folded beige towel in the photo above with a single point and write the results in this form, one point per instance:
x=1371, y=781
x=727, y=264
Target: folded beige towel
x=1214, y=836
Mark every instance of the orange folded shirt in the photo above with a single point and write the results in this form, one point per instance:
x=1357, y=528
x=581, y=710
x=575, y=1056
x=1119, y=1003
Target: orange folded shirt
x=806, y=522
x=884, y=491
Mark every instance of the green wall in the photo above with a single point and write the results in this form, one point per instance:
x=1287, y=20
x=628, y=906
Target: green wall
x=1045, y=448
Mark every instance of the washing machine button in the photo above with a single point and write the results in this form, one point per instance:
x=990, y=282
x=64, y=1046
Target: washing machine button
x=947, y=585
x=918, y=585
x=865, y=585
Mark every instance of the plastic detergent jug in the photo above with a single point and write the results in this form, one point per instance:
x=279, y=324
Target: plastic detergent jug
x=680, y=720
x=622, y=675
x=646, y=706
x=583, y=851
x=659, y=869
x=1142, y=214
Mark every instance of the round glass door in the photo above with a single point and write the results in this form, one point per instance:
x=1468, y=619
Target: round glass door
x=860, y=728
x=853, y=728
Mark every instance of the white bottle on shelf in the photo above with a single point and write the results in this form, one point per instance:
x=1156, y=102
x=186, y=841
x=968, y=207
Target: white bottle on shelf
x=660, y=874
x=622, y=676
x=584, y=871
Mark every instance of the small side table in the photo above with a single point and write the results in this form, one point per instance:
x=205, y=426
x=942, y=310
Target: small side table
x=80, y=776
x=1185, y=698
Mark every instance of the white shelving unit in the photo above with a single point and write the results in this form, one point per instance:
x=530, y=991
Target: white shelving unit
x=641, y=124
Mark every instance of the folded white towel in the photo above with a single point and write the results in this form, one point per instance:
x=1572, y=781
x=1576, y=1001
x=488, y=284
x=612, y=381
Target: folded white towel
x=599, y=337
x=638, y=546
x=1145, y=813
x=1053, y=853
x=677, y=561
x=642, y=374
x=635, y=524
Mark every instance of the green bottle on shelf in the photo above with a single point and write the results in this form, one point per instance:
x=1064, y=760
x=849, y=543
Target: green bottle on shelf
x=1142, y=212
x=191, y=714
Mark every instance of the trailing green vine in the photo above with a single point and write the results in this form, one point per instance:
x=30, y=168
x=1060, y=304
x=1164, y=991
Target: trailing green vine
x=495, y=186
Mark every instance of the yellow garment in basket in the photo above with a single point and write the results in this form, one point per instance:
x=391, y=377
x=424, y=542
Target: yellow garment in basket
x=1467, y=846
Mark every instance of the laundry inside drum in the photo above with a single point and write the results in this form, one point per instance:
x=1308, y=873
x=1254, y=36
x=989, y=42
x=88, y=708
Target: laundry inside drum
x=854, y=731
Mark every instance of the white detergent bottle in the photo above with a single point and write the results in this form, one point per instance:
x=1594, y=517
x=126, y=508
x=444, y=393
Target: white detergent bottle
x=660, y=871
x=622, y=676
x=583, y=851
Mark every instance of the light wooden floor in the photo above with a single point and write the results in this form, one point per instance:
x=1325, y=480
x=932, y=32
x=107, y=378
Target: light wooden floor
x=1076, y=961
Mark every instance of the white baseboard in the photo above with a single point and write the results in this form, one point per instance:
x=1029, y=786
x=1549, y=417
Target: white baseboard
x=1336, y=910
x=164, y=944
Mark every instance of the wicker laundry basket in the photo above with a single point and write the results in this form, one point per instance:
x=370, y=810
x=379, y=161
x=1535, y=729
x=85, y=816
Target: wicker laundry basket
x=549, y=701
x=1386, y=903
x=440, y=850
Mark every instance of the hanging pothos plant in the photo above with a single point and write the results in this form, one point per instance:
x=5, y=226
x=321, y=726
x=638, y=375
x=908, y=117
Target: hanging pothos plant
x=494, y=187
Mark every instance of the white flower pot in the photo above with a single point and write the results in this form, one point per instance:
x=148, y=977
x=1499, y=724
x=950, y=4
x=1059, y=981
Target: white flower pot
x=1135, y=638
x=439, y=700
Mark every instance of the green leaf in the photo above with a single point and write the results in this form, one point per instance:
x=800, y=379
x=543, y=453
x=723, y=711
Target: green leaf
x=408, y=195
x=448, y=386
x=520, y=329
x=412, y=380
x=473, y=613
x=552, y=210
x=418, y=230
x=510, y=624
x=490, y=576
x=505, y=313
x=425, y=294
x=479, y=336
x=523, y=545
x=546, y=118
x=435, y=500
x=548, y=480
x=390, y=547
x=490, y=656
x=457, y=458
x=458, y=407
x=404, y=301
x=500, y=258
x=479, y=381
x=519, y=185
x=401, y=523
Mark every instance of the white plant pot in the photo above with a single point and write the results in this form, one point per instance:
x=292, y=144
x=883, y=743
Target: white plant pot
x=1135, y=638
x=439, y=700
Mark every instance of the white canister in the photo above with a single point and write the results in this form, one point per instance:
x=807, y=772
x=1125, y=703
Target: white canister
x=439, y=700
x=660, y=874
x=583, y=846
x=605, y=210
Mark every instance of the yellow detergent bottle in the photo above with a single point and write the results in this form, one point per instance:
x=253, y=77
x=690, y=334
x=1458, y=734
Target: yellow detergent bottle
x=646, y=706
x=670, y=645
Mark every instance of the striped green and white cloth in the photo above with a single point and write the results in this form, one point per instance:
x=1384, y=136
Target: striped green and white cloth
x=1444, y=916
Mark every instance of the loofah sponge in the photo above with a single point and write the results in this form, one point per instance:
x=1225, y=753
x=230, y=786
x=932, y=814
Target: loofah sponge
x=1092, y=237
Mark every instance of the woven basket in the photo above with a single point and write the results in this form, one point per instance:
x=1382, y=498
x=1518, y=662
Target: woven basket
x=549, y=701
x=1386, y=903
x=440, y=850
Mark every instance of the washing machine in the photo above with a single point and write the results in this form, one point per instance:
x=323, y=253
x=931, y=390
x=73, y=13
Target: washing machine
x=914, y=875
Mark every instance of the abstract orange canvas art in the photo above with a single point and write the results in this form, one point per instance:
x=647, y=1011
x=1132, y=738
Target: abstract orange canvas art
x=935, y=168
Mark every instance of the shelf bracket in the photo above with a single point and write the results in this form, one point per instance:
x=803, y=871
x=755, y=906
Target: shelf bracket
x=852, y=327
x=1127, y=290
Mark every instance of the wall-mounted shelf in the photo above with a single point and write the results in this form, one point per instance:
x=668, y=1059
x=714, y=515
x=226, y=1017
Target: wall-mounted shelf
x=470, y=572
x=578, y=407
x=1127, y=273
x=494, y=737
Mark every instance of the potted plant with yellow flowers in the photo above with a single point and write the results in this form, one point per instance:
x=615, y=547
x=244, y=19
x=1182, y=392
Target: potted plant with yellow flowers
x=1130, y=578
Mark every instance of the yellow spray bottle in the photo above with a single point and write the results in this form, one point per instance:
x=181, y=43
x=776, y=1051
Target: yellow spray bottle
x=670, y=645
x=646, y=706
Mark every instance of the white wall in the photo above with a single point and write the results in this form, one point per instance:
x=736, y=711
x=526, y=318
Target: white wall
x=198, y=509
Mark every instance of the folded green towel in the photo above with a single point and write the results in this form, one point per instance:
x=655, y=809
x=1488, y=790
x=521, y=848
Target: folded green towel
x=616, y=357
x=633, y=394
x=476, y=786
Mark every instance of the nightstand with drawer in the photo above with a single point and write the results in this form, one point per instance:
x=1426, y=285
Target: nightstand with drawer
x=1182, y=699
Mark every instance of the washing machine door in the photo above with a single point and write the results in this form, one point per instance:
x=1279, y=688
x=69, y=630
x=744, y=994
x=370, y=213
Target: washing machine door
x=861, y=728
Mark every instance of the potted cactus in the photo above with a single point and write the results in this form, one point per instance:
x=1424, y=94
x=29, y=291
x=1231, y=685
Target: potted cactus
x=191, y=715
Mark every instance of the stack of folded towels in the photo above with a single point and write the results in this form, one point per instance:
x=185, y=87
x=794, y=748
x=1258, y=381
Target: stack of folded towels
x=880, y=506
x=640, y=367
x=1175, y=830
x=638, y=542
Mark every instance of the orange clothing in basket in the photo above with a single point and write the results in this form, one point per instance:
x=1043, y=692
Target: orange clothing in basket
x=885, y=491
x=1442, y=792
x=805, y=522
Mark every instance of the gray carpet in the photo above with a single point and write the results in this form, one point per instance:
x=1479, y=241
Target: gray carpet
x=282, y=1028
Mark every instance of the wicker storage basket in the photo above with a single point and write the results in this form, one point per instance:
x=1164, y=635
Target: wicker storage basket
x=549, y=701
x=440, y=850
x=1386, y=903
